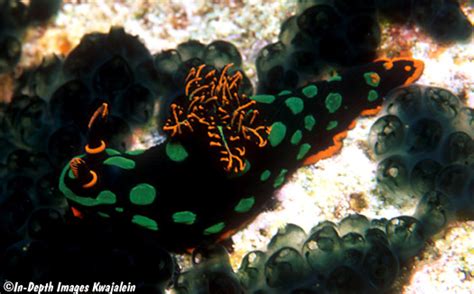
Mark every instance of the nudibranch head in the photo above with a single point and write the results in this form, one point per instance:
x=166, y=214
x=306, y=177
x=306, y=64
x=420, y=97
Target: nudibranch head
x=214, y=108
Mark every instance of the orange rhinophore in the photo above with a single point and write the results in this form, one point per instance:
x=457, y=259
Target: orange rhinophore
x=102, y=111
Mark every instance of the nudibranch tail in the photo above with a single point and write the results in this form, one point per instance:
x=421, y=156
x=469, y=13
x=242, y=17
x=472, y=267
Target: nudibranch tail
x=357, y=91
x=226, y=153
x=413, y=67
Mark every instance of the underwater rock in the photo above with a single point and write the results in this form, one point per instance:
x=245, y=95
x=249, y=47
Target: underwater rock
x=361, y=261
x=320, y=34
x=56, y=99
x=15, y=18
x=115, y=68
x=342, y=33
x=443, y=20
x=424, y=144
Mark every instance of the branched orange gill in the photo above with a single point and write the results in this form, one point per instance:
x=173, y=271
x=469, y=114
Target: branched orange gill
x=215, y=106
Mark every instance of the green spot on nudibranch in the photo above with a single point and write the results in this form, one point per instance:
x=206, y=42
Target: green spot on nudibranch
x=142, y=194
x=111, y=152
x=245, y=204
x=184, y=217
x=309, y=122
x=280, y=178
x=295, y=104
x=333, y=102
x=310, y=91
x=135, y=152
x=372, y=78
x=145, y=222
x=304, y=148
x=335, y=78
x=265, y=175
x=373, y=95
x=277, y=133
x=107, y=197
x=331, y=125
x=119, y=209
x=214, y=229
x=104, y=197
x=296, y=138
x=121, y=162
x=247, y=167
x=176, y=151
x=284, y=92
x=267, y=99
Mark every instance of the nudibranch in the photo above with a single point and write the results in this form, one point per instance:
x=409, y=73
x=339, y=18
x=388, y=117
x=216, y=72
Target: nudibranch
x=225, y=154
